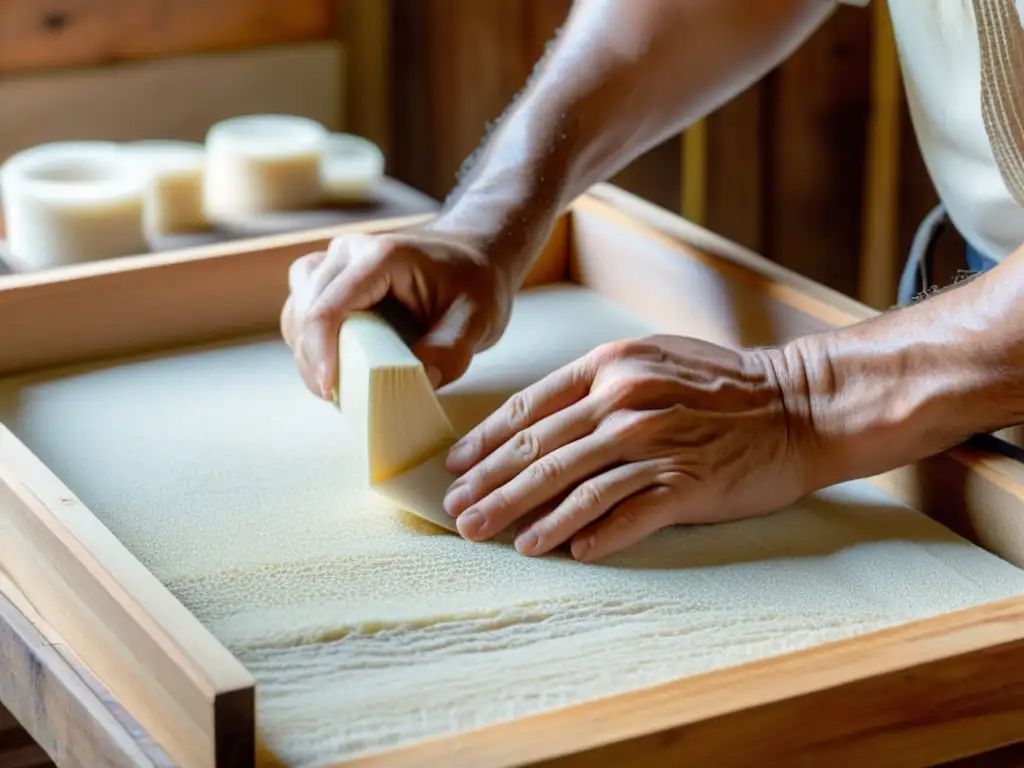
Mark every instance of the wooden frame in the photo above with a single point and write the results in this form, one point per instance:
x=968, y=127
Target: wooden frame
x=123, y=667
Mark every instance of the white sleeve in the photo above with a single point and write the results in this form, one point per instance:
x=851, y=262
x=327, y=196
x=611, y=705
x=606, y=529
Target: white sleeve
x=859, y=3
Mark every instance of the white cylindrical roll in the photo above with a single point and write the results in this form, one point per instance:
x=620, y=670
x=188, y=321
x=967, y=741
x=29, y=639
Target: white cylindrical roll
x=10, y=166
x=174, y=197
x=261, y=164
x=351, y=169
x=72, y=202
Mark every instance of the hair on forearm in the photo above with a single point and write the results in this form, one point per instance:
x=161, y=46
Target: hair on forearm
x=469, y=164
x=962, y=277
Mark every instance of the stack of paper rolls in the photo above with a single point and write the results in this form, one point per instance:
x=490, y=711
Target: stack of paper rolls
x=259, y=164
x=174, y=195
x=72, y=202
x=351, y=168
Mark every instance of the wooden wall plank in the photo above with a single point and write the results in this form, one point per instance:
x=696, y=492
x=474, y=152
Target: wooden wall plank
x=917, y=197
x=172, y=98
x=44, y=34
x=365, y=28
x=815, y=149
x=879, y=259
x=735, y=169
x=657, y=175
x=695, y=172
x=410, y=157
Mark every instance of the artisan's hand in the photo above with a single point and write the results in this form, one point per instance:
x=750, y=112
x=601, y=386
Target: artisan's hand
x=447, y=285
x=631, y=438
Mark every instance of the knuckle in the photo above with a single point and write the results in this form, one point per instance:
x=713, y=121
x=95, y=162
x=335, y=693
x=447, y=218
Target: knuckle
x=652, y=345
x=623, y=425
x=526, y=446
x=372, y=252
x=623, y=349
x=338, y=245
x=517, y=411
x=321, y=313
x=545, y=472
x=676, y=478
x=625, y=391
x=612, y=350
x=308, y=260
x=346, y=246
x=388, y=252
x=297, y=269
x=299, y=272
x=585, y=497
x=630, y=515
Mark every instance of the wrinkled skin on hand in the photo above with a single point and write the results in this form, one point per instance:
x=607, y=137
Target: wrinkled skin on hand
x=633, y=437
x=446, y=285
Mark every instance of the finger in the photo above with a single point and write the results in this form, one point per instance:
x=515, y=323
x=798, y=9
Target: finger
x=299, y=273
x=585, y=504
x=628, y=523
x=537, y=484
x=290, y=331
x=363, y=284
x=340, y=254
x=293, y=314
x=310, y=376
x=532, y=517
x=447, y=349
x=516, y=455
x=554, y=392
x=366, y=261
x=287, y=322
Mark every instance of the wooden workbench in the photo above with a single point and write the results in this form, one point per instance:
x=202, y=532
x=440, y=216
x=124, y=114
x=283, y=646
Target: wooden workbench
x=920, y=693
x=95, y=725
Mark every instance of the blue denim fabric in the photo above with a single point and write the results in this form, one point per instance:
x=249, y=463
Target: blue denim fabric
x=976, y=262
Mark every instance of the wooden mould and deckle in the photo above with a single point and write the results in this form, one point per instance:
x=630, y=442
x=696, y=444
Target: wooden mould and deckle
x=150, y=408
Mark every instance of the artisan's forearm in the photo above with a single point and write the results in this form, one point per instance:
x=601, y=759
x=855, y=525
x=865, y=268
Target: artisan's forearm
x=623, y=76
x=915, y=381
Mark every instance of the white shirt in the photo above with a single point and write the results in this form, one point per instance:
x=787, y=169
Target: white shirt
x=942, y=49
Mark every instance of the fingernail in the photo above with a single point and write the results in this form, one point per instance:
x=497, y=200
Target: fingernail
x=471, y=523
x=434, y=376
x=581, y=548
x=457, y=499
x=526, y=543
